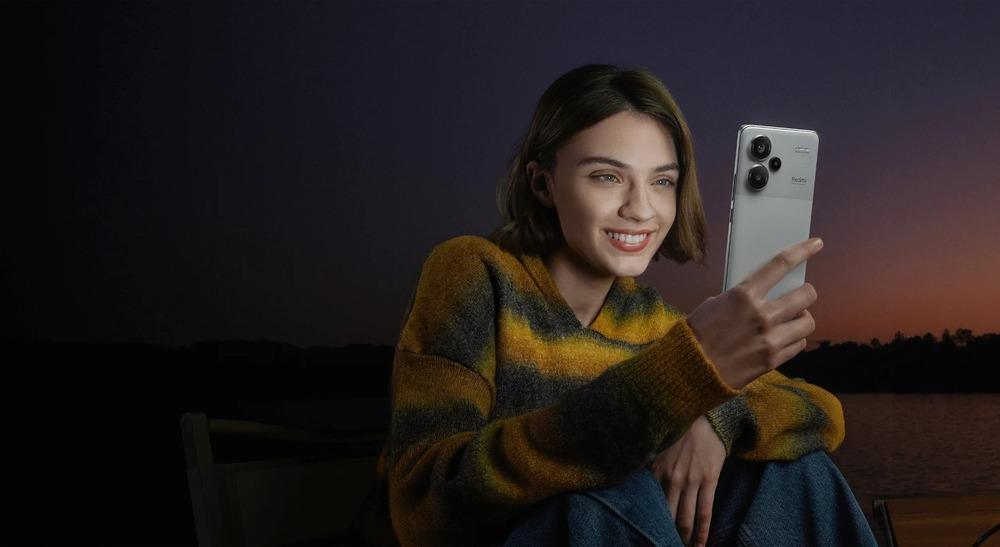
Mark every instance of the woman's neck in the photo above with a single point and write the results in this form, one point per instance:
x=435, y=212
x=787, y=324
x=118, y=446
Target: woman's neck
x=581, y=286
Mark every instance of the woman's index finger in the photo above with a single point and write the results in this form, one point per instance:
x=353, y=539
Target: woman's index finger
x=768, y=275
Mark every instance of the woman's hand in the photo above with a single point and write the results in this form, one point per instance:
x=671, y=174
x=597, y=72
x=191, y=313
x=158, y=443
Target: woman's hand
x=745, y=335
x=689, y=472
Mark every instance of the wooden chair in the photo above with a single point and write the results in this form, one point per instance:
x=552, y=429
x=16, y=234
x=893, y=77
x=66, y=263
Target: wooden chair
x=280, y=486
x=971, y=520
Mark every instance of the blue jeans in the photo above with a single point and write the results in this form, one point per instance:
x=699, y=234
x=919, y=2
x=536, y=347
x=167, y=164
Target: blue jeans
x=804, y=502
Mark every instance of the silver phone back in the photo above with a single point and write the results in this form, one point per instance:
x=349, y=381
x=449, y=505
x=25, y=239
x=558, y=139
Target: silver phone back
x=763, y=222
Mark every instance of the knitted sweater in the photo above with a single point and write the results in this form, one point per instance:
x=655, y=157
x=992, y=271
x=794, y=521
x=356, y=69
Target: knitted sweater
x=501, y=398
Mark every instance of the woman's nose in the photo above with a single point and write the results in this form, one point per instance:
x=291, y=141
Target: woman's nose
x=637, y=203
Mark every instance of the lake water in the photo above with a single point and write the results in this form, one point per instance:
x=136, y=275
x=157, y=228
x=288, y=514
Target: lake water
x=906, y=445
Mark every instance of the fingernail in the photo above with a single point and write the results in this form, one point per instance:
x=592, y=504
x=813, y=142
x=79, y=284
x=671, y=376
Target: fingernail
x=817, y=243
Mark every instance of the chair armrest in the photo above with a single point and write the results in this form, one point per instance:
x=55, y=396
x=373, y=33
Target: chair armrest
x=245, y=428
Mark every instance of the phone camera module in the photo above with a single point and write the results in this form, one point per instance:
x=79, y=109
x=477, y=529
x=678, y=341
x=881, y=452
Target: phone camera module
x=775, y=163
x=760, y=147
x=757, y=178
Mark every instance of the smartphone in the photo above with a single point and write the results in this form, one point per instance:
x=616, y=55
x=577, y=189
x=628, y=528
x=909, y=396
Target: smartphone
x=770, y=206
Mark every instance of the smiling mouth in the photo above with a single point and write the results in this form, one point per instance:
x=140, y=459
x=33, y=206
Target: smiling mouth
x=628, y=239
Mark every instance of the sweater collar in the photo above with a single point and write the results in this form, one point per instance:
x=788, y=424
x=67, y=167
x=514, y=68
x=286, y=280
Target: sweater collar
x=543, y=279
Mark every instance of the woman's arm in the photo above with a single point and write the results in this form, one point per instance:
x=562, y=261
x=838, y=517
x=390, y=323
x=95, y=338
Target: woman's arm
x=779, y=418
x=456, y=475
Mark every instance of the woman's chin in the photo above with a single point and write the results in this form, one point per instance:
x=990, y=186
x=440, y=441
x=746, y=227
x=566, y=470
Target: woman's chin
x=629, y=266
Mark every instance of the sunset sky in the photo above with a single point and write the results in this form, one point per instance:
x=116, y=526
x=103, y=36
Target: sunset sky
x=281, y=171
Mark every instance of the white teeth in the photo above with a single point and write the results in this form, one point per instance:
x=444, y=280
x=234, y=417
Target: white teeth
x=630, y=239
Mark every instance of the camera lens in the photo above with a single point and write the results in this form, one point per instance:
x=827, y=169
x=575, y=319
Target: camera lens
x=757, y=178
x=760, y=147
x=775, y=163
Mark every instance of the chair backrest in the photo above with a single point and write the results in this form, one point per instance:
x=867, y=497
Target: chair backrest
x=253, y=502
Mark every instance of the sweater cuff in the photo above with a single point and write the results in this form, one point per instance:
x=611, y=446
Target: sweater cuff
x=676, y=379
x=726, y=420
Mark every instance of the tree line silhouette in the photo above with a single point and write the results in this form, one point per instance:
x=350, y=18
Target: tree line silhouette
x=959, y=362
x=265, y=370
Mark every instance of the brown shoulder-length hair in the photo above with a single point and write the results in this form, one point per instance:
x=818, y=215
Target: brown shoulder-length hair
x=575, y=101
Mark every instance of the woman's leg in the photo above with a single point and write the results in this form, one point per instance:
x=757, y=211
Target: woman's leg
x=734, y=493
x=803, y=502
x=633, y=512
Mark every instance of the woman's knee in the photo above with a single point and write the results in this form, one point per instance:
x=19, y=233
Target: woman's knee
x=817, y=466
x=632, y=511
x=812, y=500
x=639, y=490
x=813, y=479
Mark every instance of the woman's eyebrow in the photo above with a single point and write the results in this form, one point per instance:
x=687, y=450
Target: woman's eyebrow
x=672, y=166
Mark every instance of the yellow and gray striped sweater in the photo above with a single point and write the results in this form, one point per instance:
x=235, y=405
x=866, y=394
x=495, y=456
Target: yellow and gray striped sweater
x=501, y=398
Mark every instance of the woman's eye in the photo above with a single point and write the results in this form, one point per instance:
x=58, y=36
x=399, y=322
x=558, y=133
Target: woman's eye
x=613, y=178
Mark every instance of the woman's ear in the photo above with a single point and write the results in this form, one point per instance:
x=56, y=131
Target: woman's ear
x=540, y=181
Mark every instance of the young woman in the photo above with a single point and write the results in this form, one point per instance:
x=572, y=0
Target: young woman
x=541, y=396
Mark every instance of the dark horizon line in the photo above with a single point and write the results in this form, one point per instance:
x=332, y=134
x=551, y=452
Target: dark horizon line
x=961, y=333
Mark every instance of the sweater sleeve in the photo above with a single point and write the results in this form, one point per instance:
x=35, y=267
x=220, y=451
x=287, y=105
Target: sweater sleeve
x=779, y=418
x=457, y=475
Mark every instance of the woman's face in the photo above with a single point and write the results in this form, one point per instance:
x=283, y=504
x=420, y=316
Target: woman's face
x=619, y=175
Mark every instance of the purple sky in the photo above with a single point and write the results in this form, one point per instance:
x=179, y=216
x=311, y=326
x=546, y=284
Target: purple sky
x=281, y=171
